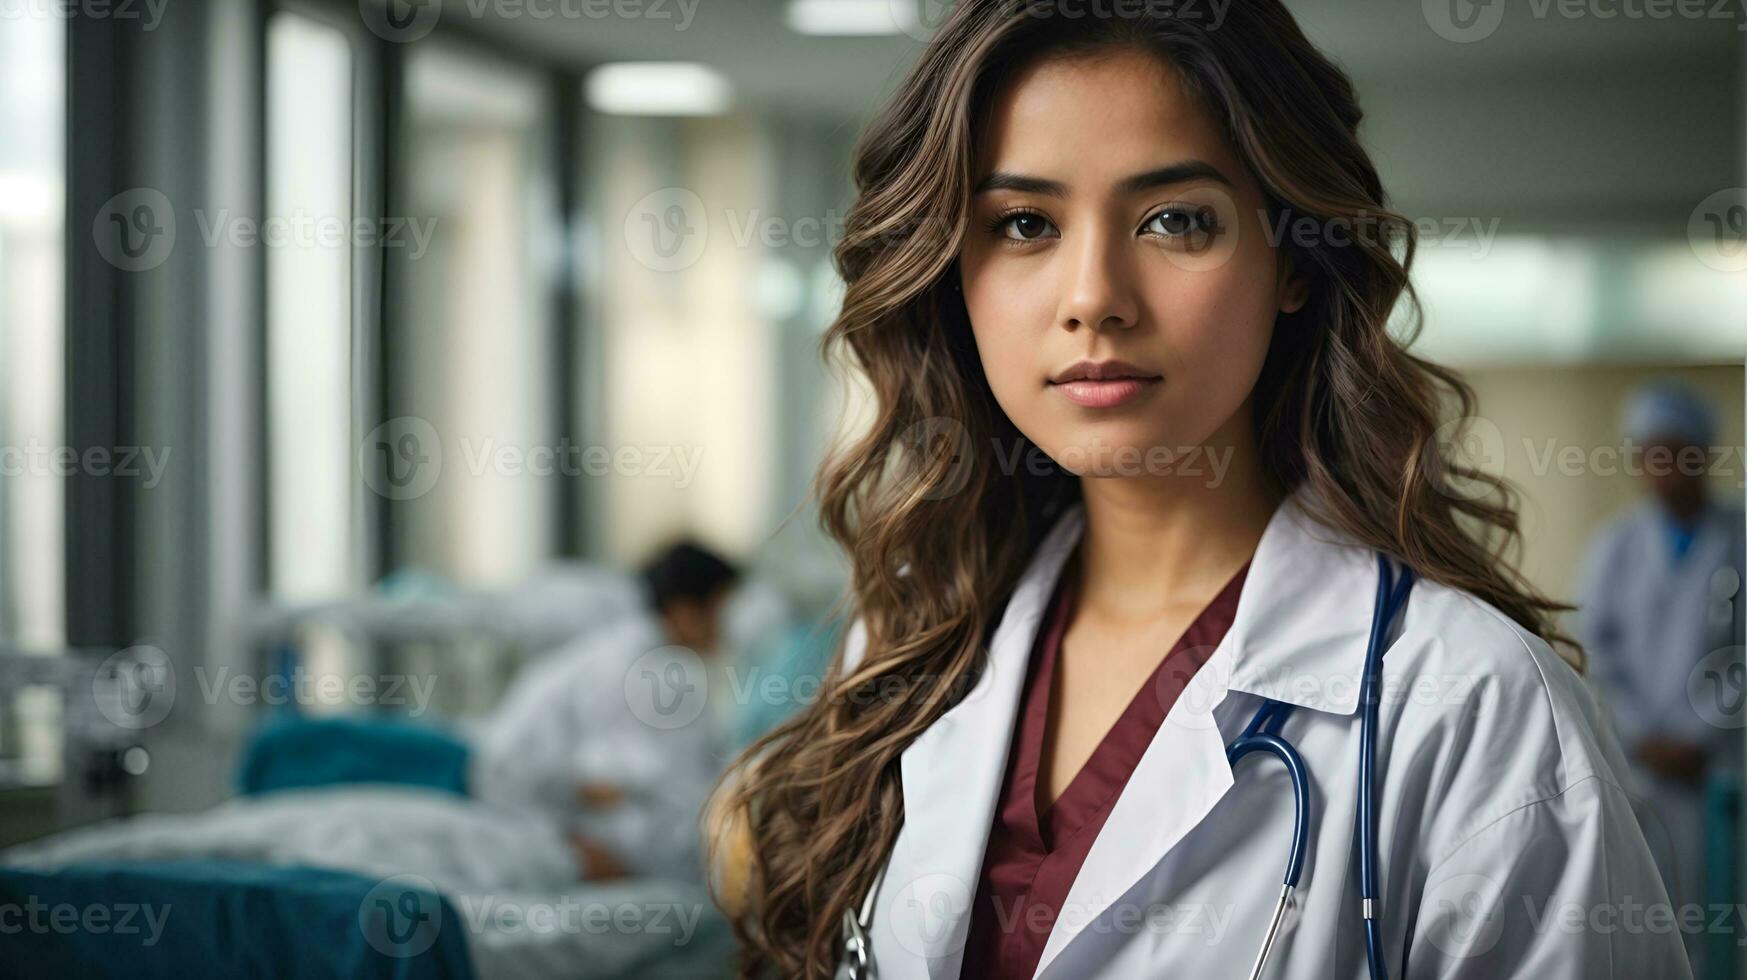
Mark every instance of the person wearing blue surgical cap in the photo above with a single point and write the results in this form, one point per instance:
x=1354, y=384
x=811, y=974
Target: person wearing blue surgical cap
x=1661, y=618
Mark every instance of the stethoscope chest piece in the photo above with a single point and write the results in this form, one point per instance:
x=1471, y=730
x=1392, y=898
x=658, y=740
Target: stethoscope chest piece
x=855, y=963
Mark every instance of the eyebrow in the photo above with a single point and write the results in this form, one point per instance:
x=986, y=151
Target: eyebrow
x=1176, y=173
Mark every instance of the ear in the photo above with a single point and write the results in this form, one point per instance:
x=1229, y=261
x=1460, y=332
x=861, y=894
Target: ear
x=1294, y=290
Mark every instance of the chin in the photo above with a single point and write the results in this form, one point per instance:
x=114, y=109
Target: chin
x=1112, y=454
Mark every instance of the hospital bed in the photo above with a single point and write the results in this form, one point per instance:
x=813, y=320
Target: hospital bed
x=354, y=878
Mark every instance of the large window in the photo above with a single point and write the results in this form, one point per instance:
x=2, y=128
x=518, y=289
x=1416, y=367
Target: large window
x=32, y=334
x=32, y=386
x=309, y=234
x=472, y=344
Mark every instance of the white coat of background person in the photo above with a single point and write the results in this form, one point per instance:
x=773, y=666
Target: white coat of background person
x=1661, y=617
x=614, y=735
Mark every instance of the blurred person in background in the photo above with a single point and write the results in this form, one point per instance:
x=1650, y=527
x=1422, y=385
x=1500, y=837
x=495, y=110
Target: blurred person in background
x=1661, y=595
x=611, y=735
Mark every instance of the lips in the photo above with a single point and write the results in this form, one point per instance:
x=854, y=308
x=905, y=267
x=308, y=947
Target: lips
x=1106, y=394
x=1103, y=371
x=1103, y=384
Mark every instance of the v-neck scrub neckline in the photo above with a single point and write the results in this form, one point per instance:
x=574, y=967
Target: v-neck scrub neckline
x=1033, y=856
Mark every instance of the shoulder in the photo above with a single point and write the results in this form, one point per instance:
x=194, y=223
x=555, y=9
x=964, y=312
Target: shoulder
x=1501, y=721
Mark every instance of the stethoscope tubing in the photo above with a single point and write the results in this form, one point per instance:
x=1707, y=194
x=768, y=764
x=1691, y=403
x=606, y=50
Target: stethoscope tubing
x=1263, y=734
x=1391, y=596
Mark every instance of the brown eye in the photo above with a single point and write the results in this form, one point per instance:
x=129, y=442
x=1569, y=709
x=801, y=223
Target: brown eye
x=1029, y=226
x=1175, y=222
x=1192, y=227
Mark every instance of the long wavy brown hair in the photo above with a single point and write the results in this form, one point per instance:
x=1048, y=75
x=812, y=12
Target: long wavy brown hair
x=938, y=532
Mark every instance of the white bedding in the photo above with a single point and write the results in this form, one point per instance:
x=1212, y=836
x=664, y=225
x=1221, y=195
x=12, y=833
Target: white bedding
x=509, y=875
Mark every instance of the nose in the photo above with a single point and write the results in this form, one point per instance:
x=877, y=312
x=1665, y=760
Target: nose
x=1098, y=286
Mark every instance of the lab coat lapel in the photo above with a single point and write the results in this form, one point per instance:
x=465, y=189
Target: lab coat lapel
x=952, y=774
x=1179, y=779
x=1298, y=635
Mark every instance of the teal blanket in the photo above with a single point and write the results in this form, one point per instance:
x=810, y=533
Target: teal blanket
x=180, y=920
x=296, y=752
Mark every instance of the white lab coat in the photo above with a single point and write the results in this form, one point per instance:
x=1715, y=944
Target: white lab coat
x=584, y=714
x=1508, y=846
x=1662, y=636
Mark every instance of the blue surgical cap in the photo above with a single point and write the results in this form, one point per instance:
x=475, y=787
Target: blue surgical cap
x=1669, y=410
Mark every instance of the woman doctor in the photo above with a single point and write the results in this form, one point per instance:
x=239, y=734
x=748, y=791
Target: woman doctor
x=1118, y=279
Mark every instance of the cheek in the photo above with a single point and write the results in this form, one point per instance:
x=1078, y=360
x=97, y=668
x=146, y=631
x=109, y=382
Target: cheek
x=1218, y=325
x=1010, y=318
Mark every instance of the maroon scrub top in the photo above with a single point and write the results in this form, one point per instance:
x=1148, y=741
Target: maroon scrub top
x=1032, y=859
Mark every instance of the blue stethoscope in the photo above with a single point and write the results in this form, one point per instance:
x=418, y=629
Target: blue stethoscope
x=1263, y=735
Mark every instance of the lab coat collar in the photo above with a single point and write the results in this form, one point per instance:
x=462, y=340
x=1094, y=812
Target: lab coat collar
x=1304, y=615
x=1298, y=635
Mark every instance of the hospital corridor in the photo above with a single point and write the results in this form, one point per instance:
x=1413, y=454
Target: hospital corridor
x=499, y=489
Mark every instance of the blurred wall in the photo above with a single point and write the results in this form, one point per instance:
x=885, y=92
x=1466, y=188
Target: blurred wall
x=1540, y=412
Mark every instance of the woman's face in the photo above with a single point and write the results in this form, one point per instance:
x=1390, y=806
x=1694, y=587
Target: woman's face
x=1109, y=222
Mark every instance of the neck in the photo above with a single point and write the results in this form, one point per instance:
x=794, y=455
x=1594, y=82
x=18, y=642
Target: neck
x=1155, y=540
